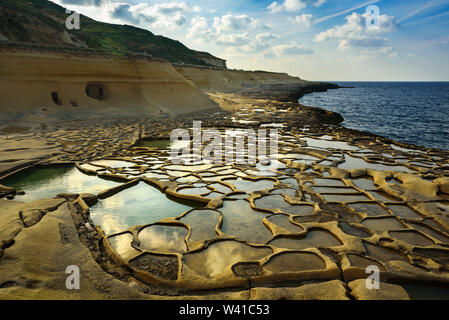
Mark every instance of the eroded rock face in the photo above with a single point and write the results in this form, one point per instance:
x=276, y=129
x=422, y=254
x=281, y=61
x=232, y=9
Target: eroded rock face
x=123, y=88
x=338, y=202
x=34, y=266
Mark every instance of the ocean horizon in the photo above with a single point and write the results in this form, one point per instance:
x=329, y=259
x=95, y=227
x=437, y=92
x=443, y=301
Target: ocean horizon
x=415, y=112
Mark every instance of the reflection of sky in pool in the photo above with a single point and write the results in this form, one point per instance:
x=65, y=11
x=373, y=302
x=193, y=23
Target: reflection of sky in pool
x=163, y=143
x=219, y=255
x=47, y=181
x=326, y=144
x=139, y=205
x=357, y=163
x=114, y=163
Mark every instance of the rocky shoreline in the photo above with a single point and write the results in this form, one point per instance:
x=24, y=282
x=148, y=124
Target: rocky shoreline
x=336, y=175
x=287, y=92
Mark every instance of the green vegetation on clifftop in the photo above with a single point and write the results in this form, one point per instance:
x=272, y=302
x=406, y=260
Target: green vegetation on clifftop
x=43, y=22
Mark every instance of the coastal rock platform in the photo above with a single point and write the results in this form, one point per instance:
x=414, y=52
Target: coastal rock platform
x=104, y=196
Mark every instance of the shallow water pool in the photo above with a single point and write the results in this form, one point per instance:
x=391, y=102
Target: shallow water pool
x=138, y=205
x=47, y=181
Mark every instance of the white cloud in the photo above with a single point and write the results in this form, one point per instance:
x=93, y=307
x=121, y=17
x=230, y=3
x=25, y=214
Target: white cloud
x=292, y=5
x=304, y=20
x=337, y=14
x=200, y=29
x=355, y=33
x=373, y=52
x=292, y=49
x=264, y=37
x=260, y=43
x=233, y=39
x=231, y=23
x=168, y=7
x=239, y=34
x=288, y=5
x=227, y=30
x=83, y=2
x=164, y=16
x=385, y=49
x=319, y=3
x=289, y=51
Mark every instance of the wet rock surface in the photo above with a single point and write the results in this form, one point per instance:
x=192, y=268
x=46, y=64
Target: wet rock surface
x=338, y=201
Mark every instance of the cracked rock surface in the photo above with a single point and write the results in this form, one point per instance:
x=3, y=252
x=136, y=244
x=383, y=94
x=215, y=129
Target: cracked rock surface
x=141, y=227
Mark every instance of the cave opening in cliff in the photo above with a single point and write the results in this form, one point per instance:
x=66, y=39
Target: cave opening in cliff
x=95, y=91
x=55, y=98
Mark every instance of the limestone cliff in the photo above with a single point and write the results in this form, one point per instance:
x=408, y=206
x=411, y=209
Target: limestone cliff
x=254, y=84
x=213, y=79
x=45, y=85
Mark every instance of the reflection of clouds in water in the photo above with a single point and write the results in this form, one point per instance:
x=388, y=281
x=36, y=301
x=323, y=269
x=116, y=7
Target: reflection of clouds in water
x=114, y=163
x=202, y=222
x=218, y=258
x=138, y=205
x=215, y=259
x=163, y=238
x=113, y=202
x=240, y=220
x=47, y=182
x=105, y=214
x=122, y=244
x=76, y=181
x=80, y=182
x=111, y=224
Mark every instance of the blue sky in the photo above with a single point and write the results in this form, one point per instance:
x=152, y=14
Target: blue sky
x=313, y=39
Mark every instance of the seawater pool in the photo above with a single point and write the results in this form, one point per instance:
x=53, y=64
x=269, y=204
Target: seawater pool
x=45, y=182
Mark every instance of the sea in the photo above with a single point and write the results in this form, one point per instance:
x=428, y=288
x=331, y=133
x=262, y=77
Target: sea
x=410, y=112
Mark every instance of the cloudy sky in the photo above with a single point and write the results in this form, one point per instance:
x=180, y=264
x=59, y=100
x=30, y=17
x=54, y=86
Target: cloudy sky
x=313, y=39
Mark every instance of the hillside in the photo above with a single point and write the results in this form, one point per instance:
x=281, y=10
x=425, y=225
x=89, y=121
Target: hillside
x=43, y=22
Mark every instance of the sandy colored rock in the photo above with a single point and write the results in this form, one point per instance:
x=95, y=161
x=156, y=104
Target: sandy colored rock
x=330, y=290
x=31, y=217
x=386, y=292
x=356, y=173
x=145, y=87
x=443, y=185
x=34, y=267
x=223, y=80
x=6, y=189
x=89, y=199
x=10, y=220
